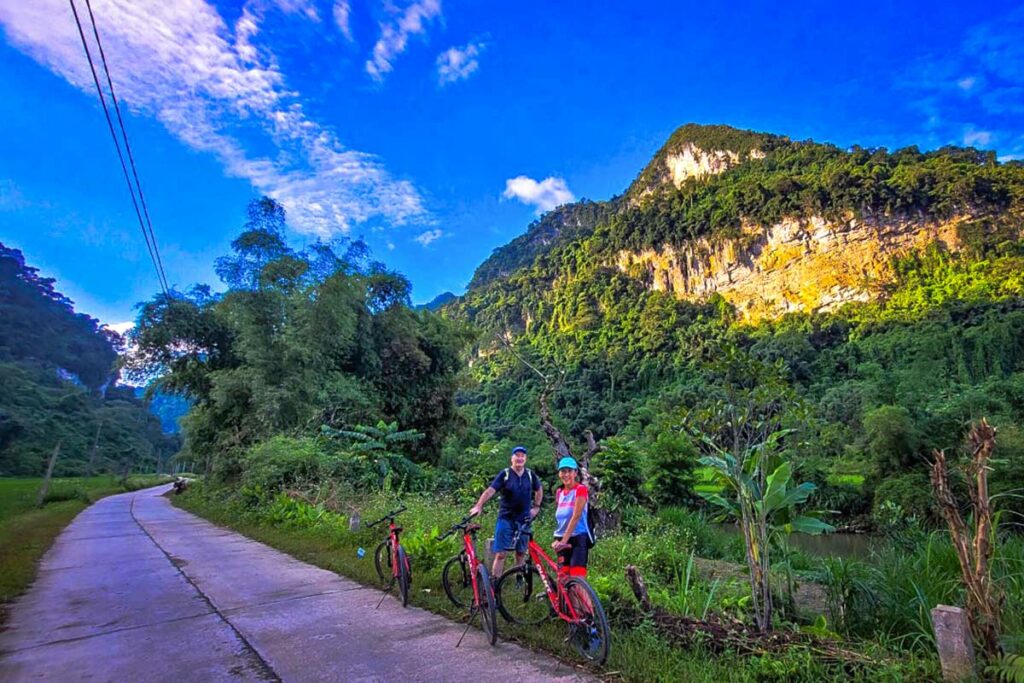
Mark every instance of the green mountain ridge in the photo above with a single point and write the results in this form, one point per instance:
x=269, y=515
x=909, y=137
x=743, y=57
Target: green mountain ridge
x=642, y=312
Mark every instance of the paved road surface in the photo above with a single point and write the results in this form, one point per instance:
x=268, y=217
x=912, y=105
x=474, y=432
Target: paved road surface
x=138, y=590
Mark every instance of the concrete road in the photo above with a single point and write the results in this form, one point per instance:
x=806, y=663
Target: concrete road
x=138, y=590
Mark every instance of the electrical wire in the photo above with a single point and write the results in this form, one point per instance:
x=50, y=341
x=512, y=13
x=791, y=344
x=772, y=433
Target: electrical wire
x=150, y=243
x=127, y=145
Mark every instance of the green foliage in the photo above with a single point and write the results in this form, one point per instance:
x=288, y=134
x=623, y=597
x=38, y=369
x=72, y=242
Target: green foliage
x=39, y=326
x=619, y=468
x=109, y=433
x=299, y=340
x=1009, y=669
x=904, y=496
x=892, y=438
x=57, y=370
x=672, y=460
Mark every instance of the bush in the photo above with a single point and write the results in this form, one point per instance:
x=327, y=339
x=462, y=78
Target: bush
x=619, y=469
x=282, y=462
x=673, y=462
x=911, y=492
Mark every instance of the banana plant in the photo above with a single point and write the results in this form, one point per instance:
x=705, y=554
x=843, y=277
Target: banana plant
x=759, y=492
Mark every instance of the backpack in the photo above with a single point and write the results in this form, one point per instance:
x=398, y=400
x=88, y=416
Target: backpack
x=507, y=470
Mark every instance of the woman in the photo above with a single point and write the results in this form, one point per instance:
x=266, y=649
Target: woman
x=572, y=535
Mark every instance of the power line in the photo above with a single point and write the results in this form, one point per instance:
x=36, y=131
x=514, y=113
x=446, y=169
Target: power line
x=150, y=245
x=127, y=145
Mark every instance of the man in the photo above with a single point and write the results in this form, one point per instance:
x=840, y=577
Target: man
x=519, y=487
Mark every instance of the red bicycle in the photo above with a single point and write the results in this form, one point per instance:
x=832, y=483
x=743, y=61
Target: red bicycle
x=466, y=581
x=534, y=592
x=390, y=559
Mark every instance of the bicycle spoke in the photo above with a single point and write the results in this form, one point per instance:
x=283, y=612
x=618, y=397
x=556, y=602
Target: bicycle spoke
x=521, y=596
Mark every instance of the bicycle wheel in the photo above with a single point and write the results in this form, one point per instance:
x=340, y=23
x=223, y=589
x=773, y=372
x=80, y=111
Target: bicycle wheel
x=404, y=575
x=590, y=636
x=457, y=581
x=521, y=596
x=382, y=561
x=488, y=612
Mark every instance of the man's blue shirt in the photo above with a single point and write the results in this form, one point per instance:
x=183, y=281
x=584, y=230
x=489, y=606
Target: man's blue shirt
x=516, y=493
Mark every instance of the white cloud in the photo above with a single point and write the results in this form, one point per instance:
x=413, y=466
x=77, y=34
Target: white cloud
x=458, y=63
x=973, y=138
x=210, y=87
x=394, y=35
x=343, y=18
x=428, y=236
x=967, y=84
x=121, y=328
x=545, y=195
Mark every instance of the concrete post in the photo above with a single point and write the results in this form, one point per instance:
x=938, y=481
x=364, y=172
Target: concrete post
x=354, y=521
x=953, y=639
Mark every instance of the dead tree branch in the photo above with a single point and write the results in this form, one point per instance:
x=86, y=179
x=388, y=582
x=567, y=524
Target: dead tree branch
x=974, y=551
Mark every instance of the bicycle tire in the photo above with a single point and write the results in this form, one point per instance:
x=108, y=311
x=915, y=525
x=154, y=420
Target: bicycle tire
x=404, y=576
x=488, y=609
x=382, y=562
x=591, y=637
x=457, y=581
x=521, y=596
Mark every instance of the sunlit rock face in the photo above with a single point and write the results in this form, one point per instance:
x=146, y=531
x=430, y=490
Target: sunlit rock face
x=798, y=264
x=691, y=161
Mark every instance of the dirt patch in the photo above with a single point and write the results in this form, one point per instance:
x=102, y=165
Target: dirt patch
x=811, y=598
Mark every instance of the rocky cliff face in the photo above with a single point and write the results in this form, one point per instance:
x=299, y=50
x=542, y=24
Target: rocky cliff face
x=796, y=265
x=691, y=161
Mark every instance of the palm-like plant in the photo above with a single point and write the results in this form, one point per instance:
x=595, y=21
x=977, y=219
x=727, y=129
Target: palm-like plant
x=760, y=493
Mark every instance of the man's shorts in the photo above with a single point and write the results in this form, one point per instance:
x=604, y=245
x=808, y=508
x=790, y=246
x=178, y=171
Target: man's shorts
x=504, y=530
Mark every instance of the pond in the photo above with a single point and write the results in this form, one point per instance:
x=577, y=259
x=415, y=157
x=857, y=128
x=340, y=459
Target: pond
x=844, y=545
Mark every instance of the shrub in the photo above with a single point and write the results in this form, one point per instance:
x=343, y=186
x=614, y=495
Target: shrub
x=912, y=492
x=618, y=467
x=673, y=463
x=282, y=462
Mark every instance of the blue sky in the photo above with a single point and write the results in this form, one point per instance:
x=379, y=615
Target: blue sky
x=436, y=129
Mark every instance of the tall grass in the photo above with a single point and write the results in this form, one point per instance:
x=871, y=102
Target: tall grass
x=890, y=596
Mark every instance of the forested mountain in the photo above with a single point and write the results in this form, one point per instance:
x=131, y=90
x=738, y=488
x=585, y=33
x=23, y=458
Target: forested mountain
x=57, y=371
x=879, y=294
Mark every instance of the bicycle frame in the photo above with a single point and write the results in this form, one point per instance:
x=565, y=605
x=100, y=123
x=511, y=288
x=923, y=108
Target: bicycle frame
x=469, y=550
x=469, y=547
x=393, y=534
x=556, y=594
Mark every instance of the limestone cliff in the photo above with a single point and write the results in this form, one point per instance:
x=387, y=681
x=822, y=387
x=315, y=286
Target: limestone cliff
x=798, y=264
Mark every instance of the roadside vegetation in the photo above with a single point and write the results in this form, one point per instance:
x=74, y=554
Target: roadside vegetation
x=311, y=523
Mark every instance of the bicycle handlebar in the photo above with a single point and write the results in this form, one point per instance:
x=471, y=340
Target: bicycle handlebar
x=461, y=524
x=390, y=515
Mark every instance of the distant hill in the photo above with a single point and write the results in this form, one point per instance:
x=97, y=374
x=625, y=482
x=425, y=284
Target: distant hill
x=58, y=373
x=437, y=302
